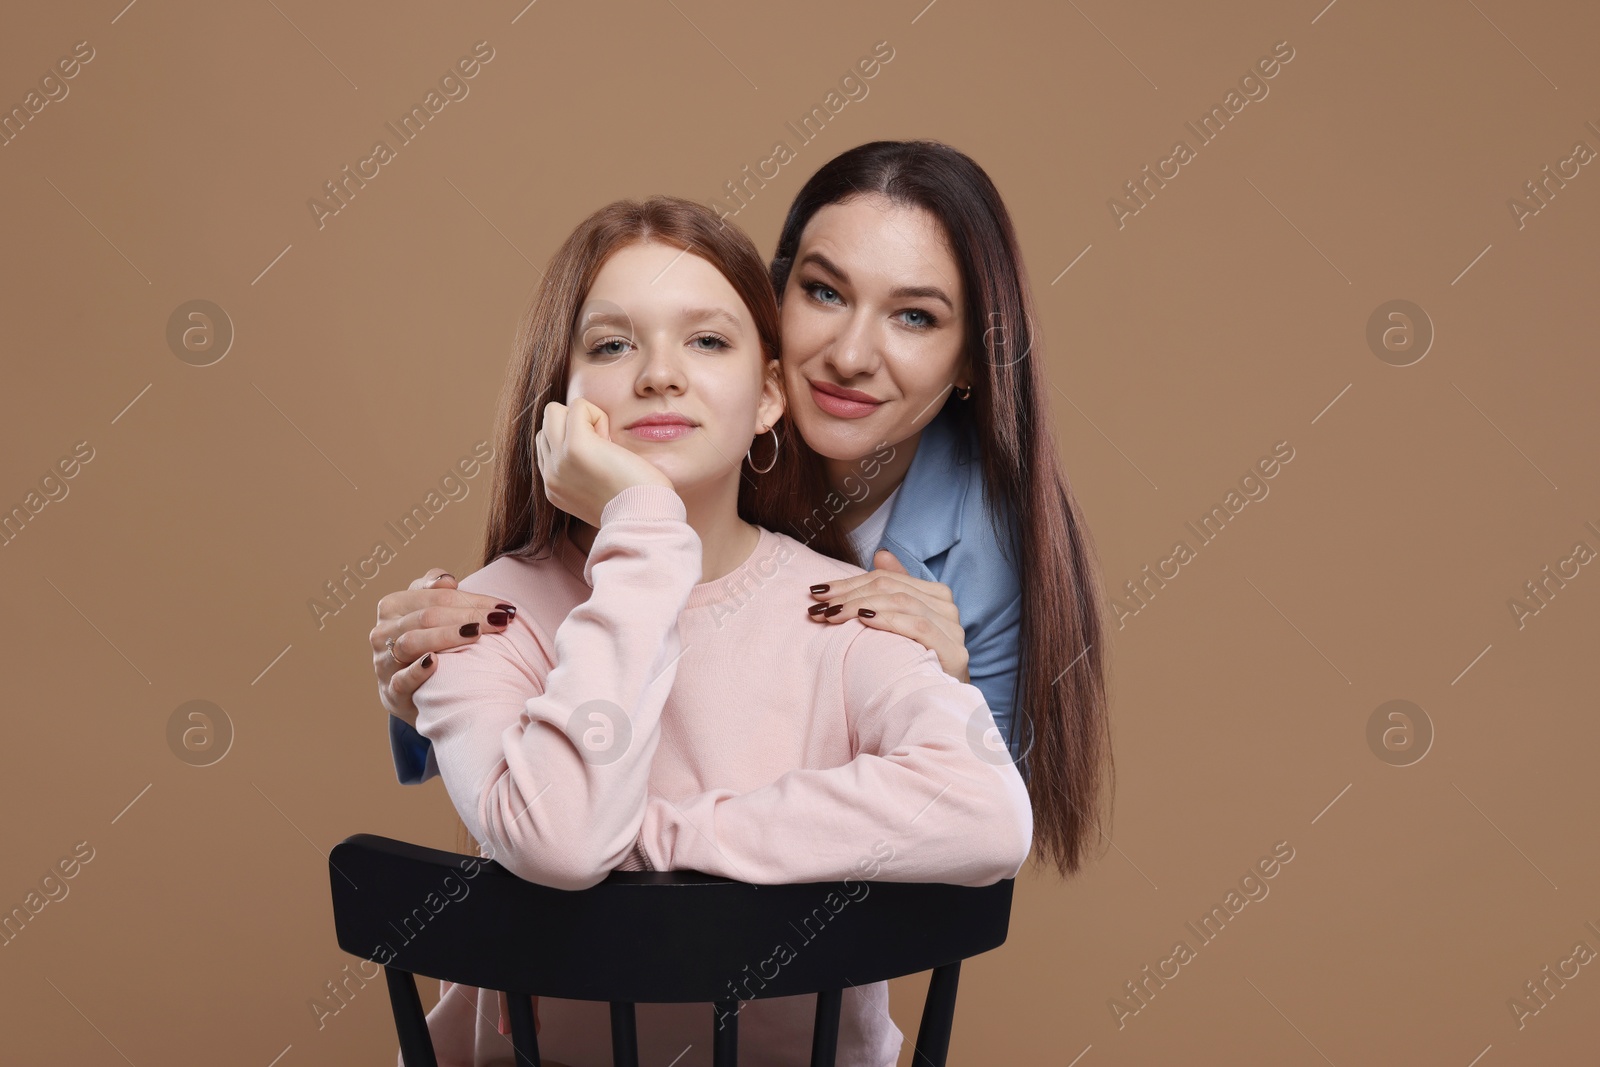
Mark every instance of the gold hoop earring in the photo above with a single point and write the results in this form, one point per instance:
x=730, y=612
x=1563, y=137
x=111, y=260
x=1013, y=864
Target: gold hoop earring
x=964, y=392
x=769, y=466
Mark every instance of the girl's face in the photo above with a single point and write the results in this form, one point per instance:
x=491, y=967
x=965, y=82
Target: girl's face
x=873, y=307
x=661, y=332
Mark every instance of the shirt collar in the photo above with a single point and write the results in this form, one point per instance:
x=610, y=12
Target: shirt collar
x=926, y=519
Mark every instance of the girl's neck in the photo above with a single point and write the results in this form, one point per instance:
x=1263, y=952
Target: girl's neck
x=726, y=540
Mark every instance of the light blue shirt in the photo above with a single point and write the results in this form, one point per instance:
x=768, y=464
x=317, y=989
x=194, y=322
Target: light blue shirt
x=939, y=529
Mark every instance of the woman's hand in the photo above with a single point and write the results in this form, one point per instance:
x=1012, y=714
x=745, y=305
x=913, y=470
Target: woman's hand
x=581, y=466
x=429, y=616
x=921, y=610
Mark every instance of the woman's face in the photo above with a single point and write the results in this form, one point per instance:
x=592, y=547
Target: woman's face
x=873, y=306
x=661, y=332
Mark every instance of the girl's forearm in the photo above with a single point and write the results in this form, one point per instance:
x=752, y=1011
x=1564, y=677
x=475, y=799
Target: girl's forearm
x=920, y=803
x=556, y=783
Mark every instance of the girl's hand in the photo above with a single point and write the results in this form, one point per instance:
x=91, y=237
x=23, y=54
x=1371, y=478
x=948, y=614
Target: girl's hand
x=429, y=616
x=581, y=466
x=924, y=611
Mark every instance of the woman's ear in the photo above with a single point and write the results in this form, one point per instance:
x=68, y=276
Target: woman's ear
x=964, y=374
x=773, y=403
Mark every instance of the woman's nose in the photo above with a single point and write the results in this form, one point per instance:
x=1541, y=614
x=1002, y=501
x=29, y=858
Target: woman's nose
x=855, y=350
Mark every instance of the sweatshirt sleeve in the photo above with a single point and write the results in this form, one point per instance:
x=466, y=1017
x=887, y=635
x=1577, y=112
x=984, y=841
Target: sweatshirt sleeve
x=550, y=766
x=923, y=782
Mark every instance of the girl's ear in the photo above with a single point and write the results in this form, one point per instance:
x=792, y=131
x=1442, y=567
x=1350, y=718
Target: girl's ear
x=773, y=403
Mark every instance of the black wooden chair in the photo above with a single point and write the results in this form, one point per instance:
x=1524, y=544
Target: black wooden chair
x=647, y=937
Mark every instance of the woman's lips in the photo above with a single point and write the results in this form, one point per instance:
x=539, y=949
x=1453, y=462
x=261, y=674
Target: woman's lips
x=661, y=431
x=838, y=405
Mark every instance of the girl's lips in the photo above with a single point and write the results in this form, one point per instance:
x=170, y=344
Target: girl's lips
x=661, y=431
x=838, y=405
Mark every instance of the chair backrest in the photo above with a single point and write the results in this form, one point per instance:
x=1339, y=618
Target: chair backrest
x=648, y=937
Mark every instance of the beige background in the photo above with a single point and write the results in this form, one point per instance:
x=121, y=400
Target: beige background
x=1229, y=314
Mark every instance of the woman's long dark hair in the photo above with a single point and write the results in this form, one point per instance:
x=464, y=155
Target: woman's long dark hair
x=1061, y=700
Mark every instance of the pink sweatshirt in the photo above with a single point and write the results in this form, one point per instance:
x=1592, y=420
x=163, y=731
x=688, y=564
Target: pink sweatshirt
x=720, y=729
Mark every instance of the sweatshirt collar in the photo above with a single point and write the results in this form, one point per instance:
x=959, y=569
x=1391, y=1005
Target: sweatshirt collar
x=737, y=585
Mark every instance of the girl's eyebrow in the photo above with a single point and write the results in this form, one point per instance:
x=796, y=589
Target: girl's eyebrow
x=604, y=318
x=721, y=315
x=904, y=292
x=612, y=318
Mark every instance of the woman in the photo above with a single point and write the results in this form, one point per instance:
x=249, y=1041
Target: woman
x=901, y=282
x=620, y=721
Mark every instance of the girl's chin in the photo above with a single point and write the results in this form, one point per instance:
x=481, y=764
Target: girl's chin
x=692, y=482
x=691, y=461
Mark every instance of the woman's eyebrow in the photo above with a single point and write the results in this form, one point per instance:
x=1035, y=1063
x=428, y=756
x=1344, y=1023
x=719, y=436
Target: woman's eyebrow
x=904, y=292
x=922, y=292
x=825, y=263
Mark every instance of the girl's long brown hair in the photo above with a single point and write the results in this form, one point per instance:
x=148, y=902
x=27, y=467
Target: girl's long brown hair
x=522, y=522
x=1061, y=701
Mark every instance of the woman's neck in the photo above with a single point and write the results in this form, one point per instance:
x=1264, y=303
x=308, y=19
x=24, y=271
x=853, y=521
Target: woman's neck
x=726, y=540
x=845, y=476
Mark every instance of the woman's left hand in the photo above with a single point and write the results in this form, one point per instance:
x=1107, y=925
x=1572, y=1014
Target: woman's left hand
x=924, y=611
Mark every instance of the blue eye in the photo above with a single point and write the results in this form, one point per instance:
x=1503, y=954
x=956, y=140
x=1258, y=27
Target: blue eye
x=814, y=288
x=929, y=319
x=602, y=348
x=717, y=342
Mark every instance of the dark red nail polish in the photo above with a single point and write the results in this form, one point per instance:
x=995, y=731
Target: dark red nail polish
x=470, y=630
x=817, y=609
x=427, y=661
x=867, y=613
x=819, y=588
x=498, y=618
x=831, y=612
x=509, y=609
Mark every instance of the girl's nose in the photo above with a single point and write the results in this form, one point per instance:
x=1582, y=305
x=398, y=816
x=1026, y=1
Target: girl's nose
x=661, y=371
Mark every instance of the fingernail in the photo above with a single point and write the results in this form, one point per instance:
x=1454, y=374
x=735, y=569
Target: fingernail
x=831, y=612
x=817, y=609
x=498, y=618
x=449, y=576
x=509, y=609
x=819, y=588
x=866, y=613
x=427, y=661
x=470, y=630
